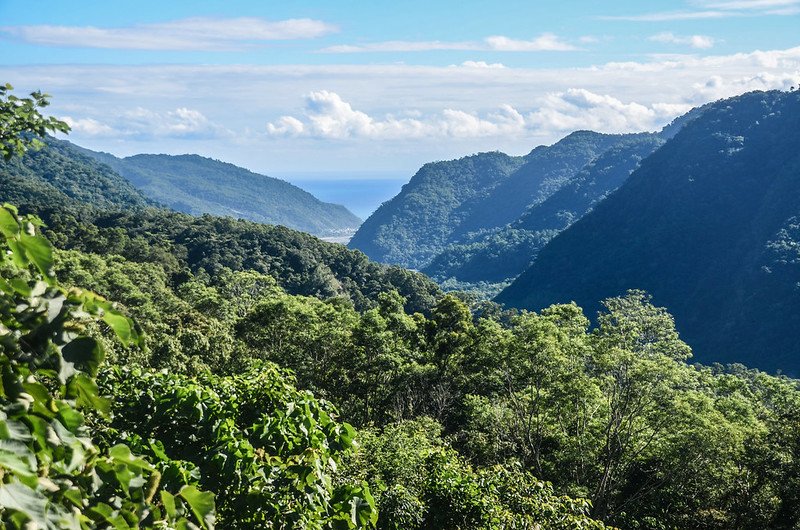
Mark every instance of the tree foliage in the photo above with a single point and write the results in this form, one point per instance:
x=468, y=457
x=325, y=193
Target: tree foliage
x=53, y=473
x=21, y=123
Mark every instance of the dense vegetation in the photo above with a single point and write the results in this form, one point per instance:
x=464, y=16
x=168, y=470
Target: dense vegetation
x=196, y=185
x=469, y=220
x=456, y=413
x=708, y=225
x=180, y=406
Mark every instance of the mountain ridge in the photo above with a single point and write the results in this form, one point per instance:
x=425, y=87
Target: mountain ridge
x=195, y=184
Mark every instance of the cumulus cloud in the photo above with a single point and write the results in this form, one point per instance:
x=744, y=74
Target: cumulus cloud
x=499, y=43
x=327, y=115
x=695, y=41
x=404, y=104
x=140, y=123
x=179, y=123
x=718, y=87
x=581, y=109
x=87, y=126
x=206, y=34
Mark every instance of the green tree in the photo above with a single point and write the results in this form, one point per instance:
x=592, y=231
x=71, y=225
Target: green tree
x=21, y=123
x=52, y=474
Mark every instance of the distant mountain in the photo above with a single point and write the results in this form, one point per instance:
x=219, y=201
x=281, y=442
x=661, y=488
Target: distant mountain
x=87, y=206
x=709, y=224
x=445, y=202
x=196, y=185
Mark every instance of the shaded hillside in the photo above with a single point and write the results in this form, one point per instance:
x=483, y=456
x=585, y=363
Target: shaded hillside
x=61, y=170
x=545, y=170
x=197, y=185
x=457, y=202
x=500, y=254
x=708, y=225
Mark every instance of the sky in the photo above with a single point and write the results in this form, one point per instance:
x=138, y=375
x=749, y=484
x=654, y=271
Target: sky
x=364, y=89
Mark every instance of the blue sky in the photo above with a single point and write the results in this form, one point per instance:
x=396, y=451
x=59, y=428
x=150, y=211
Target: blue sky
x=344, y=86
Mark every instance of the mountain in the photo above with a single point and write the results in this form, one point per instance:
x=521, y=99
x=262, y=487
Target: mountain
x=709, y=224
x=502, y=253
x=87, y=206
x=196, y=185
x=414, y=226
x=60, y=172
x=446, y=202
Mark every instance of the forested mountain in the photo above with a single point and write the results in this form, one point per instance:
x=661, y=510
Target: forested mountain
x=196, y=185
x=503, y=253
x=446, y=201
x=482, y=218
x=61, y=170
x=414, y=226
x=709, y=225
x=88, y=206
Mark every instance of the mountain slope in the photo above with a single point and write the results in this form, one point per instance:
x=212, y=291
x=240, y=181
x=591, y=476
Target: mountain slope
x=59, y=172
x=413, y=226
x=709, y=225
x=446, y=201
x=89, y=207
x=504, y=253
x=196, y=185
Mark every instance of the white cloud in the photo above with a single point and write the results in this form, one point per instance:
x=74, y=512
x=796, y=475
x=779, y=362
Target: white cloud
x=327, y=115
x=695, y=41
x=544, y=42
x=582, y=109
x=717, y=87
x=404, y=105
x=500, y=43
x=141, y=124
x=747, y=4
x=481, y=64
x=707, y=9
x=401, y=46
x=286, y=126
x=665, y=16
x=87, y=126
x=220, y=34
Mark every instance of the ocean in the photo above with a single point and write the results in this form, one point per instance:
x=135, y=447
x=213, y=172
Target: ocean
x=362, y=196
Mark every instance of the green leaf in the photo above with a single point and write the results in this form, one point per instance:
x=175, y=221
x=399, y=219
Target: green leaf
x=168, y=500
x=18, y=255
x=122, y=453
x=9, y=226
x=201, y=503
x=121, y=325
x=33, y=504
x=39, y=251
x=85, y=353
x=84, y=391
